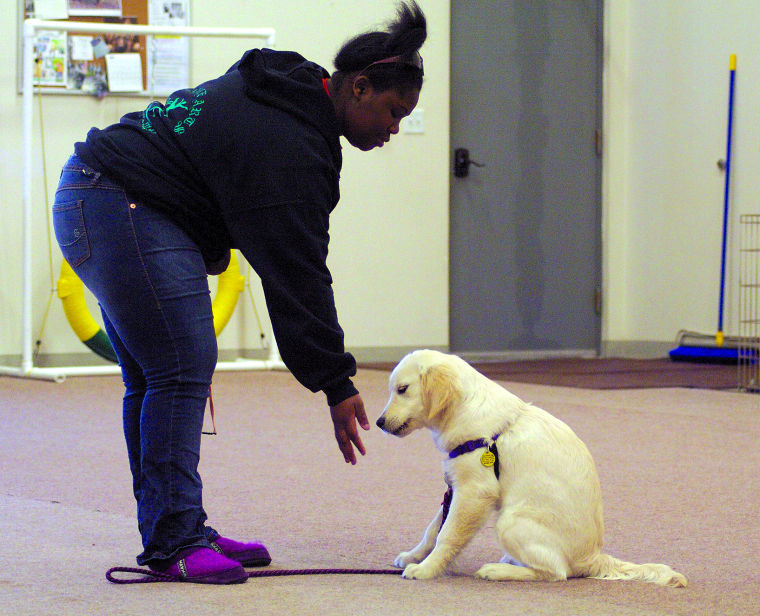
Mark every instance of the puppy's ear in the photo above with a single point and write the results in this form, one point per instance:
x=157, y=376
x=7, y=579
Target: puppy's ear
x=440, y=389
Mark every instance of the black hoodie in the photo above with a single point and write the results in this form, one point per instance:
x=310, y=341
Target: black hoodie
x=250, y=160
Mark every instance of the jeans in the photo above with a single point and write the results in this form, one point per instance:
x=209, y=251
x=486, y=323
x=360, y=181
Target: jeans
x=150, y=281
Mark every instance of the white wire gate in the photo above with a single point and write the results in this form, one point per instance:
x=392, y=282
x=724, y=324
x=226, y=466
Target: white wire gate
x=749, y=302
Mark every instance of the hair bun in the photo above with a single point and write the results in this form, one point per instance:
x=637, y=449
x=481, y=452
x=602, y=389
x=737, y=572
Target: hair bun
x=403, y=37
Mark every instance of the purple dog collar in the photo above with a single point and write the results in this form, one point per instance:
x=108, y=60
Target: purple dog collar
x=472, y=446
x=480, y=444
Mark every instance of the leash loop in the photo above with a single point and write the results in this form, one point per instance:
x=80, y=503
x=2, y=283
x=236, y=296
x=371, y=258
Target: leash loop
x=148, y=576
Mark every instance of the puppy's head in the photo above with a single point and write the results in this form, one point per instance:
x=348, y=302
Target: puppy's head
x=424, y=388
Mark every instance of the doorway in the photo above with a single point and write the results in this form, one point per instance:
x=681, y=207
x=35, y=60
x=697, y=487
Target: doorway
x=525, y=228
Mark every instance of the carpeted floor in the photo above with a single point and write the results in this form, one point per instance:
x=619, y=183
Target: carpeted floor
x=680, y=473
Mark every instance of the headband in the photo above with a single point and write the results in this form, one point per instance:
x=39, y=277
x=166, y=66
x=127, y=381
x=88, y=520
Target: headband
x=414, y=60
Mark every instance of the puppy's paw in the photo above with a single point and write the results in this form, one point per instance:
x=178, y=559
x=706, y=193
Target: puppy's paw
x=491, y=571
x=404, y=559
x=419, y=572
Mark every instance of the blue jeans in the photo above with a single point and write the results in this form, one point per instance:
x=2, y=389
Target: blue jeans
x=150, y=281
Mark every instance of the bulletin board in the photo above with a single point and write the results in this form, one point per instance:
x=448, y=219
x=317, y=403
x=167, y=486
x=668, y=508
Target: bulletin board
x=79, y=63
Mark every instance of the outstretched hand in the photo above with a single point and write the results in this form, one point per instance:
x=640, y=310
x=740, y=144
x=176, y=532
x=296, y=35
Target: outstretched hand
x=344, y=416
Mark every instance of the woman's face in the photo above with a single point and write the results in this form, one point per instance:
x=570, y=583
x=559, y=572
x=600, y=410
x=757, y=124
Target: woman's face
x=371, y=117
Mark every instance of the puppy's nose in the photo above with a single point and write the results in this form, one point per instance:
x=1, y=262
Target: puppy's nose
x=380, y=422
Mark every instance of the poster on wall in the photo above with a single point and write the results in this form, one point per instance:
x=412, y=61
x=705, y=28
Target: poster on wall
x=50, y=69
x=48, y=9
x=168, y=56
x=78, y=62
x=87, y=71
x=100, y=8
x=124, y=72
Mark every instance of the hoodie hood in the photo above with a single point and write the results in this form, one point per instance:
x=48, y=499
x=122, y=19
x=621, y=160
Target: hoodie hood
x=287, y=81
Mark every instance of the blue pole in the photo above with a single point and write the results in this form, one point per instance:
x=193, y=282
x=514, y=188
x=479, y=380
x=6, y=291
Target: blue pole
x=732, y=74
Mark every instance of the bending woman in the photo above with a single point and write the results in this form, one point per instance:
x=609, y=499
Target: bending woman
x=146, y=208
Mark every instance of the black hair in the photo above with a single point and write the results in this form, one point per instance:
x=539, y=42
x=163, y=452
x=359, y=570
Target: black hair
x=404, y=37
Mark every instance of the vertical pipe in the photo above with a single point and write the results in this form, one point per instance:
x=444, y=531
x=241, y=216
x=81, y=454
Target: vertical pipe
x=753, y=353
x=750, y=290
x=742, y=227
x=26, y=181
x=744, y=297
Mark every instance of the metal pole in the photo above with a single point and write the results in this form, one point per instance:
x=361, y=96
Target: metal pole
x=26, y=181
x=97, y=28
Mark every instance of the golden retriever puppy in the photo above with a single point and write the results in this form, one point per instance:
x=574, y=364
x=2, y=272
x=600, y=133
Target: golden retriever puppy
x=506, y=455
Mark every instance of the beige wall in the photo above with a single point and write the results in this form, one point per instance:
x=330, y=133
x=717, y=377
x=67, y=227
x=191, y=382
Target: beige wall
x=666, y=84
x=389, y=246
x=666, y=103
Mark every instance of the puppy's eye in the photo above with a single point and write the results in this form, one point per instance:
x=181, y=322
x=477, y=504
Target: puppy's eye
x=401, y=389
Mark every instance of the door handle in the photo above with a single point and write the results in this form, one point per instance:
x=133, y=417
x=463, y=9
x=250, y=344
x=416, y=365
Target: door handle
x=462, y=162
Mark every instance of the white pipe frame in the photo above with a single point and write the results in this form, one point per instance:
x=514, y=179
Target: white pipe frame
x=31, y=27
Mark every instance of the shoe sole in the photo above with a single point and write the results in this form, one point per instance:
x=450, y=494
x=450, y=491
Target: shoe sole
x=253, y=558
x=257, y=557
x=236, y=575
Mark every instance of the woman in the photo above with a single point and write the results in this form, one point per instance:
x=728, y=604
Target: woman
x=146, y=208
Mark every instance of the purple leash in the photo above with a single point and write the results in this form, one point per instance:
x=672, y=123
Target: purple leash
x=155, y=576
x=149, y=576
x=446, y=504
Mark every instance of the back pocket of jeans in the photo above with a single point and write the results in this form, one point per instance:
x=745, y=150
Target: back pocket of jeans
x=68, y=222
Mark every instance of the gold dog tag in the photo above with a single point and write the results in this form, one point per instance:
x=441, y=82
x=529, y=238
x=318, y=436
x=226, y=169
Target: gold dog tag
x=487, y=459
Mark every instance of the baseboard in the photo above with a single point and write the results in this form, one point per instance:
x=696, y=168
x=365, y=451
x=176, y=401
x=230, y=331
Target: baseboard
x=499, y=356
x=51, y=360
x=636, y=349
x=387, y=354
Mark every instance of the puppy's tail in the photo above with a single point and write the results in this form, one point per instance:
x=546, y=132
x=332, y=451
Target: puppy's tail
x=606, y=567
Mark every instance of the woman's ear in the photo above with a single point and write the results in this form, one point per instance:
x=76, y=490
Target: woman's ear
x=361, y=86
x=440, y=389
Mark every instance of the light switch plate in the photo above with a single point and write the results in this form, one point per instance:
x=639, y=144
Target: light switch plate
x=414, y=123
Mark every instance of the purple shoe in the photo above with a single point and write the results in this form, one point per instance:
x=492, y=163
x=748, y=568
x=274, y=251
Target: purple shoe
x=247, y=554
x=205, y=566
